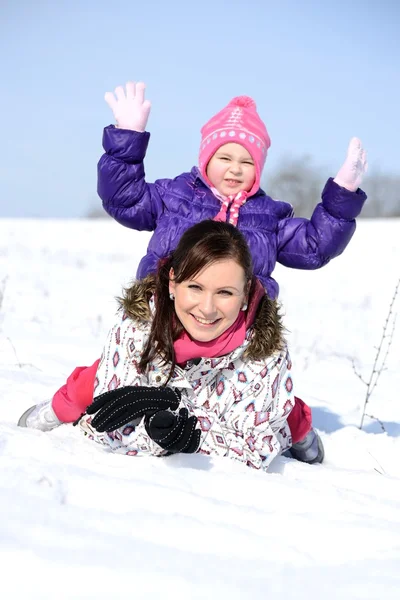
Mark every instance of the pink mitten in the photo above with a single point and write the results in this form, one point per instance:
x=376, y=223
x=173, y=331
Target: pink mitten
x=130, y=109
x=351, y=173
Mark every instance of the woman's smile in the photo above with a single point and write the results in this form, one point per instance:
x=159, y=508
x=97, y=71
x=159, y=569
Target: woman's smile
x=205, y=322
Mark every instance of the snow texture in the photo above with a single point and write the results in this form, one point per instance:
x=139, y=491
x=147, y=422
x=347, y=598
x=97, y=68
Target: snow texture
x=78, y=522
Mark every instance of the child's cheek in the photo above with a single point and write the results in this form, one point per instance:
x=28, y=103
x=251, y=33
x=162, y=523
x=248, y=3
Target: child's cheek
x=215, y=173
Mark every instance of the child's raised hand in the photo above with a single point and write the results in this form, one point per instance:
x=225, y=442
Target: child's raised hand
x=130, y=109
x=351, y=172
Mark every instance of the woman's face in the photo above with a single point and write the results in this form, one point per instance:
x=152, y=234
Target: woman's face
x=208, y=304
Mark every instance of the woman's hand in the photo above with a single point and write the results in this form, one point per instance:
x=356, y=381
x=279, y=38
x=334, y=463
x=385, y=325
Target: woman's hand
x=119, y=407
x=351, y=173
x=174, y=432
x=131, y=110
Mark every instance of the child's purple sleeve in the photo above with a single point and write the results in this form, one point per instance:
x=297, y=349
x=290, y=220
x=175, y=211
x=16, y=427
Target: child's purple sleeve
x=312, y=243
x=126, y=195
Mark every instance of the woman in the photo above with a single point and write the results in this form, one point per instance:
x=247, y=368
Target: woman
x=197, y=361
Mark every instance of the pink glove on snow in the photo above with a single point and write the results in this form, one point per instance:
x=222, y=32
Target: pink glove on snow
x=131, y=110
x=351, y=173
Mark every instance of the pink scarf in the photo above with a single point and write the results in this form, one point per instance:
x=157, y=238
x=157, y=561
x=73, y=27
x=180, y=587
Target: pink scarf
x=233, y=202
x=187, y=349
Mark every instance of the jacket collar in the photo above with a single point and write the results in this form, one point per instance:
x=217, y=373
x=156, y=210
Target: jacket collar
x=201, y=372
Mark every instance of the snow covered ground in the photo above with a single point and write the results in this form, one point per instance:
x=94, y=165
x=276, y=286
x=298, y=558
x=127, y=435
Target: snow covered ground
x=77, y=522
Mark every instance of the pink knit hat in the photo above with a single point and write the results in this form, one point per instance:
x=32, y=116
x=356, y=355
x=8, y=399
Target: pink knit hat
x=238, y=122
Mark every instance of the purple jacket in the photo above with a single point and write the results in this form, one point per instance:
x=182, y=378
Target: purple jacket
x=170, y=206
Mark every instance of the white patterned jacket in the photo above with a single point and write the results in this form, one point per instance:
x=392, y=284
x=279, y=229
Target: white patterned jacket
x=241, y=406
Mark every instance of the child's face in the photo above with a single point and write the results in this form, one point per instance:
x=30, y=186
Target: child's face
x=231, y=169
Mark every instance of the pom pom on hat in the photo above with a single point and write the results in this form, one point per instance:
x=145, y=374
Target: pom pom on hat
x=244, y=101
x=237, y=123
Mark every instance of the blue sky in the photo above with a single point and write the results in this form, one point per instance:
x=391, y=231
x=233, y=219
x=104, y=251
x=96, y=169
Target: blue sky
x=319, y=73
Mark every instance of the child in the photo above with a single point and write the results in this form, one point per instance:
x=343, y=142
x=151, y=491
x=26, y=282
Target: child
x=226, y=187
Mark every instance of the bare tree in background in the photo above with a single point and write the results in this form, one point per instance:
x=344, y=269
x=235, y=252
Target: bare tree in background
x=300, y=182
x=97, y=212
x=383, y=191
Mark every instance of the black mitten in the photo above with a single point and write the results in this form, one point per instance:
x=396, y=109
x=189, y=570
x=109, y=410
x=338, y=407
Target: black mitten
x=175, y=433
x=121, y=406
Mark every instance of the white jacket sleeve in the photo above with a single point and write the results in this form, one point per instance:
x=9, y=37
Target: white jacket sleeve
x=118, y=368
x=254, y=429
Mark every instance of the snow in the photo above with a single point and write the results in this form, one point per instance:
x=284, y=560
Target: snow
x=78, y=522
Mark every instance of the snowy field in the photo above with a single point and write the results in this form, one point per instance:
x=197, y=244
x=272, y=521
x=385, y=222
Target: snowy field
x=77, y=522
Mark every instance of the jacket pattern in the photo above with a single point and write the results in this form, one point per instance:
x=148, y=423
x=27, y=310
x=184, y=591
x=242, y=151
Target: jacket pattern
x=241, y=405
